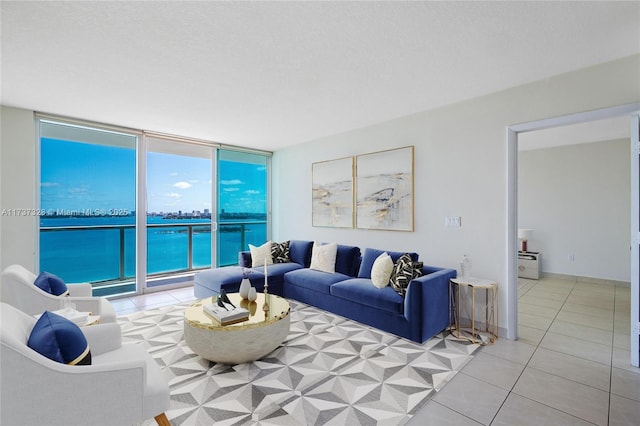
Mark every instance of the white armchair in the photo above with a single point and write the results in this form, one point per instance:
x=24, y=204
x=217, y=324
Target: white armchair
x=18, y=290
x=122, y=386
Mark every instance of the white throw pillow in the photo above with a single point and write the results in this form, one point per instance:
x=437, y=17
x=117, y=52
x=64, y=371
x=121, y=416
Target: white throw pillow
x=381, y=270
x=323, y=258
x=261, y=255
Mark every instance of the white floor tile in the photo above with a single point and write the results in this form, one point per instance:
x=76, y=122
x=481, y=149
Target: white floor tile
x=573, y=398
x=472, y=398
x=577, y=347
x=438, y=415
x=496, y=371
x=570, y=367
x=625, y=383
x=521, y=411
x=623, y=411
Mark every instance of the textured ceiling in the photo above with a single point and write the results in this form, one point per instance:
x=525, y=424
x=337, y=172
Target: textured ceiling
x=271, y=74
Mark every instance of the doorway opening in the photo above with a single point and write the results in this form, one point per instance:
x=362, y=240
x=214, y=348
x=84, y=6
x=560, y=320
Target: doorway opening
x=512, y=205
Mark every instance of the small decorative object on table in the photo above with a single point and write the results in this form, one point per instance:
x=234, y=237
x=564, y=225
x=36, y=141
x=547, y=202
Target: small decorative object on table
x=245, y=285
x=225, y=313
x=253, y=295
x=265, y=306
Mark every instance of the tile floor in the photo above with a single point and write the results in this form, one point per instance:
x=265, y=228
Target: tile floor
x=570, y=365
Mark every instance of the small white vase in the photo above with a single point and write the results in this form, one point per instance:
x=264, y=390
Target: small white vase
x=252, y=296
x=245, y=285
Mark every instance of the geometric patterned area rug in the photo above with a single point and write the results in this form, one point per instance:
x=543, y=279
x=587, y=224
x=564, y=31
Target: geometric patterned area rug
x=330, y=370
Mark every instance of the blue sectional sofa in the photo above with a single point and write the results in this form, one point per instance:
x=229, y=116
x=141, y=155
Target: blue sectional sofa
x=418, y=316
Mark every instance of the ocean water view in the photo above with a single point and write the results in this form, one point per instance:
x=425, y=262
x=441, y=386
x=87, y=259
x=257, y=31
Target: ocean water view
x=88, y=249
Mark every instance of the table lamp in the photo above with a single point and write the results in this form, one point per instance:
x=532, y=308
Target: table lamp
x=523, y=236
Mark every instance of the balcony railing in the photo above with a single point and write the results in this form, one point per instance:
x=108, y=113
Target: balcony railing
x=105, y=254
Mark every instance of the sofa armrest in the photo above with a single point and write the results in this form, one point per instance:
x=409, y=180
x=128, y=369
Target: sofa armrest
x=244, y=259
x=80, y=290
x=103, y=338
x=427, y=302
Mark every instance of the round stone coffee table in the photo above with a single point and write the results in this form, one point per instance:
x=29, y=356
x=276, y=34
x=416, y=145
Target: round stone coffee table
x=241, y=342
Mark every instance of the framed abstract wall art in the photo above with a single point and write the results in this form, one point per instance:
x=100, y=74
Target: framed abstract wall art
x=332, y=193
x=384, y=190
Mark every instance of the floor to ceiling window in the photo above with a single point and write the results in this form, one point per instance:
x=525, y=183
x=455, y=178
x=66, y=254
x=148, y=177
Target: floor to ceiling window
x=87, y=205
x=242, y=203
x=198, y=206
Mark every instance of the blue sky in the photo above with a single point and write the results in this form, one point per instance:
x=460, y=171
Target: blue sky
x=76, y=176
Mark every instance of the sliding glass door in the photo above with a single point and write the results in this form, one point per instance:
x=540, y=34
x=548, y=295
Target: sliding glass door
x=179, y=182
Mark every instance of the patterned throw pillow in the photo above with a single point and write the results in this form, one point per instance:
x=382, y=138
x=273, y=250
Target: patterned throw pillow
x=404, y=271
x=280, y=252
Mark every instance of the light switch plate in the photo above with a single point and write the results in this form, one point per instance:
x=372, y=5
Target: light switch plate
x=453, y=222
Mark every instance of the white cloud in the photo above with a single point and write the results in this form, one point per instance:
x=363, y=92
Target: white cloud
x=173, y=195
x=251, y=192
x=231, y=182
x=173, y=174
x=182, y=185
x=231, y=189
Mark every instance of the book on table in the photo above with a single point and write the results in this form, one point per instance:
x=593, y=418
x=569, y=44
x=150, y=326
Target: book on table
x=227, y=314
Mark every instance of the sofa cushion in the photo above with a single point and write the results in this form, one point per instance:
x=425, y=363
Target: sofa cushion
x=227, y=278
x=404, y=270
x=280, y=252
x=261, y=255
x=360, y=290
x=52, y=284
x=323, y=257
x=348, y=260
x=312, y=279
x=381, y=271
x=60, y=340
x=370, y=255
x=300, y=252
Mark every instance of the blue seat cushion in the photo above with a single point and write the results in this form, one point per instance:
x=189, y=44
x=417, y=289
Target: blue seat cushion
x=228, y=277
x=52, y=284
x=315, y=280
x=362, y=290
x=60, y=340
x=370, y=255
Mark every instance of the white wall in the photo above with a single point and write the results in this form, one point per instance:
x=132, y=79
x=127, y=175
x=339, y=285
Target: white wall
x=18, y=186
x=576, y=199
x=460, y=168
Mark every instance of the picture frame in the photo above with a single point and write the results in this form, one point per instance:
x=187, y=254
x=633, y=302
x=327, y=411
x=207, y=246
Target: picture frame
x=384, y=190
x=332, y=193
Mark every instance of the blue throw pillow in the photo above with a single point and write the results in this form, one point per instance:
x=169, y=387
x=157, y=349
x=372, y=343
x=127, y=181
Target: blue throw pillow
x=348, y=260
x=59, y=339
x=51, y=284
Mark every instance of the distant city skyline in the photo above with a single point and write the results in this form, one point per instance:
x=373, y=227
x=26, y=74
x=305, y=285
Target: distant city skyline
x=83, y=176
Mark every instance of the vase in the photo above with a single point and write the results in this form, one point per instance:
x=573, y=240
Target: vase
x=245, y=285
x=252, y=296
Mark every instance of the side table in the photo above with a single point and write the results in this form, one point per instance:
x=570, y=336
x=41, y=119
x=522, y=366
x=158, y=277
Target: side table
x=489, y=317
